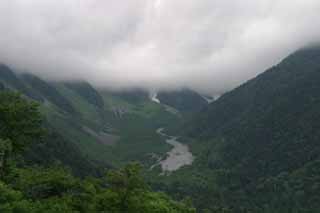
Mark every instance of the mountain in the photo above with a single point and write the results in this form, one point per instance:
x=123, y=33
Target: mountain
x=95, y=126
x=257, y=147
x=133, y=96
x=55, y=149
x=48, y=92
x=10, y=80
x=274, y=116
x=86, y=91
x=185, y=100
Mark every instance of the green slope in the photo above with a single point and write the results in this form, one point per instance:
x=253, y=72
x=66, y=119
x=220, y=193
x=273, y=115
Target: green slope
x=185, y=101
x=86, y=91
x=108, y=127
x=258, y=146
x=274, y=117
x=10, y=80
x=48, y=92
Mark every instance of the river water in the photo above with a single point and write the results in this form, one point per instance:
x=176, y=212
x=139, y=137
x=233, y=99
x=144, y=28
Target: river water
x=177, y=157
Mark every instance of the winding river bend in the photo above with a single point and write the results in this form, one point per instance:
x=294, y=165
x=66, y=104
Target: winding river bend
x=177, y=157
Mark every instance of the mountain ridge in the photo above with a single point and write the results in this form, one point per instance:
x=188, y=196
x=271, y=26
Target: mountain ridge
x=261, y=135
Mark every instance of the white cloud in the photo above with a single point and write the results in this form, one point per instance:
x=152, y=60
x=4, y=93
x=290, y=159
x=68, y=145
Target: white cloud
x=207, y=45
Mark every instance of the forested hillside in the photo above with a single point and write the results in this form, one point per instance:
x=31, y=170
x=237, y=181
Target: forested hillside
x=258, y=146
x=37, y=189
x=273, y=120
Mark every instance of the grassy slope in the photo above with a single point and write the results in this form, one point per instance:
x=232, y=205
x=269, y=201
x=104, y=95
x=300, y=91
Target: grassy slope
x=136, y=127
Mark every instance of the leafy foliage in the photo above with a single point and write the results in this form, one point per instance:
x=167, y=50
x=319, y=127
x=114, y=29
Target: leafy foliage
x=55, y=190
x=20, y=120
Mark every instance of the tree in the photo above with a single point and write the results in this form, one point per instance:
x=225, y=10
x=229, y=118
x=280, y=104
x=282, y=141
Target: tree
x=127, y=192
x=20, y=121
x=20, y=125
x=5, y=151
x=124, y=184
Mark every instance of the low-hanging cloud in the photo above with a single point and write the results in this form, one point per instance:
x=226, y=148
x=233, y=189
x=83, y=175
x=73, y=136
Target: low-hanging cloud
x=207, y=45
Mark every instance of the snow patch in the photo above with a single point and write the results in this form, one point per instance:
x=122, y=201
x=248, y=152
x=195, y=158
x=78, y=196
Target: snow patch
x=210, y=99
x=153, y=97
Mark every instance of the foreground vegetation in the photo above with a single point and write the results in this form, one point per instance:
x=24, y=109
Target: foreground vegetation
x=54, y=189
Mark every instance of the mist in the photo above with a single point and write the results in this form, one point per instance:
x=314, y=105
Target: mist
x=210, y=46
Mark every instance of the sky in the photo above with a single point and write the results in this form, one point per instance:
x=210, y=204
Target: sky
x=210, y=46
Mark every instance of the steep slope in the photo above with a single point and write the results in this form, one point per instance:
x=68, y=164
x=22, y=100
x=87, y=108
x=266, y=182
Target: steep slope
x=258, y=146
x=48, y=92
x=133, y=96
x=107, y=127
x=274, y=117
x=86, y=91
x=55, y=149
x=185, y=101
x=55, y=146
x=10, y=80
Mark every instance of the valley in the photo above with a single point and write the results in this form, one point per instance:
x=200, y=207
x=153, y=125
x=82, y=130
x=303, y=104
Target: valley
x=159, y=106
x=108, y=127
x=226, y=155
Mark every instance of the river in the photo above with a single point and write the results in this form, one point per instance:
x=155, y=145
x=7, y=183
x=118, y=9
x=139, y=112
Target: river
x=177, y=157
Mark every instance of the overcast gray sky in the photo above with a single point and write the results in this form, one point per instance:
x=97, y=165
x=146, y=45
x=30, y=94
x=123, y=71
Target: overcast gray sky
x=207, y=45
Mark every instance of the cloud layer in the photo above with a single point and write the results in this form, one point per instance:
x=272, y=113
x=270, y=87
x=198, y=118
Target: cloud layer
x=208, y=45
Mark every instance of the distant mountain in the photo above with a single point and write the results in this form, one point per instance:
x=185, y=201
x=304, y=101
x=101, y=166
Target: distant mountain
x=48, y=92
x=10, y=80
x=2, y=87
x=134, y=96
x=185, y=100
x=86, y=91
x=259, y=144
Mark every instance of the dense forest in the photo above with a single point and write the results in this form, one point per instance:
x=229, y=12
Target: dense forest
x=258, y=146
x=31, y=188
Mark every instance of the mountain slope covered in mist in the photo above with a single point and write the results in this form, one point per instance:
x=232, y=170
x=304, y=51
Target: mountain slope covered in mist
x=274, y=117
x=110, y=127
x=258, y=146
x=183, y=100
